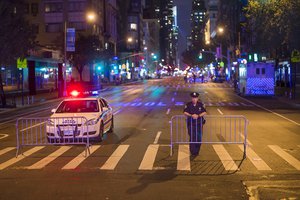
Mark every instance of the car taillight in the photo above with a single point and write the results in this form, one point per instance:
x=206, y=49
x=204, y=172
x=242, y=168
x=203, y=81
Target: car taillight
x=75, y=93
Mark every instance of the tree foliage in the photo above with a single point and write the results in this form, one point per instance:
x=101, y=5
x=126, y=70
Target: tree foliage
x=87, y=51
x=274, y=24
x=16, y=35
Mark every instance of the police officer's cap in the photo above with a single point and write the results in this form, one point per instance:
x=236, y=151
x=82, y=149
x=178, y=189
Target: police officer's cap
x=194, y=94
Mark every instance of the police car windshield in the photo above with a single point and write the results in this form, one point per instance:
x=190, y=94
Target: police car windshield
x=78, y=106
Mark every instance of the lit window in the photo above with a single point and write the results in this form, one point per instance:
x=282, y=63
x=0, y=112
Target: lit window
x=133, y=26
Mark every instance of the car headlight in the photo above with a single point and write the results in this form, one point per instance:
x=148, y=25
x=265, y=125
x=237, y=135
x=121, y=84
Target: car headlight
x=91, y=122
x=50, y=123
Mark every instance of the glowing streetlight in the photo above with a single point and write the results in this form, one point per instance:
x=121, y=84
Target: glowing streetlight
x=220, y=29
x=91, y=17
x=129, y=39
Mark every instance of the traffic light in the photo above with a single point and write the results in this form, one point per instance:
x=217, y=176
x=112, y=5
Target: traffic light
x=200, y=56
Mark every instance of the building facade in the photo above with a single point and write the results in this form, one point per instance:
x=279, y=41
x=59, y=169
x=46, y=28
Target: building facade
x=198, y=22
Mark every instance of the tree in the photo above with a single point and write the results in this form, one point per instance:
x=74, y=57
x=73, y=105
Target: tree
x=87, y=51
x=16, y=35
x=274, y=24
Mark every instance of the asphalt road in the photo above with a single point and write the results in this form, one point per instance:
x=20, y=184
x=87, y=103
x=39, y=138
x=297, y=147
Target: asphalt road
x=142, y=134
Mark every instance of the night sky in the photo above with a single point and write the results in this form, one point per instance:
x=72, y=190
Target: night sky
x=184, y=13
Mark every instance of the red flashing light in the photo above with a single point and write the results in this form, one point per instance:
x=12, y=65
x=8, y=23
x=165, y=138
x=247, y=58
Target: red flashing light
x=75, y=93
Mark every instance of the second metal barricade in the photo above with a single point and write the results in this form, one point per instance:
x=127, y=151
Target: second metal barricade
x=212, y=129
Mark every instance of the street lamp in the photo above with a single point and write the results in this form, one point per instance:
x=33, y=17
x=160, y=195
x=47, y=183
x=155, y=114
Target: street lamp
x=91, y=17
x=221, y=30
x=130, y=39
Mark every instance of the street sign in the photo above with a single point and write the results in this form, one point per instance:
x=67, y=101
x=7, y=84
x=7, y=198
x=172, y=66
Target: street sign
x=295, y=57
x=70, y=40
x=22, y=63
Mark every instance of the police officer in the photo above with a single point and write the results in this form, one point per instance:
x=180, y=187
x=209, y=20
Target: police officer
x=195, y=111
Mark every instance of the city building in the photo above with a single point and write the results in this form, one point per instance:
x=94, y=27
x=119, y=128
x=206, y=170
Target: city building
x=53, y=19
x=151, y=39
x=198, y=22
x=130, y=45
x=168, y=33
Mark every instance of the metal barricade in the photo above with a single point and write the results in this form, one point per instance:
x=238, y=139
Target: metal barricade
x=44, y=131
x=216, y=129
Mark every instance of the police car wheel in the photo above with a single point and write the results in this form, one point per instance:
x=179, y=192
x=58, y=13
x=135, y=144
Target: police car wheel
x=111, y=129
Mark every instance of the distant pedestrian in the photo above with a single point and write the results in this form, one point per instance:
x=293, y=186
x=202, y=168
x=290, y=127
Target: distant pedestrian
x=194, y=76
x=195, y=111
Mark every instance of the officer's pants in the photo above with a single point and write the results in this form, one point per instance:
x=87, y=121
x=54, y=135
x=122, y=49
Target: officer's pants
x=195, y=133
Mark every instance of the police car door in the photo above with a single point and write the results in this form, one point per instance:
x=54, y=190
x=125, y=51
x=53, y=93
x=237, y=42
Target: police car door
x=107, y=115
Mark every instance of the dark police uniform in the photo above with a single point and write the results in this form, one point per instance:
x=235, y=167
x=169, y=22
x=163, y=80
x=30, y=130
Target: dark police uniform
x=195, y=125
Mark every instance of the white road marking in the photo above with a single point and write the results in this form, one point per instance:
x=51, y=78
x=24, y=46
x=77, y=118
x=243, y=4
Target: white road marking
x=173, y=100
x=255, y=159
x=279, y=115
x=157, y=137
x=220, y=111
x=284, y=155
x=2, y=136
x=168, y=111
x=114, y=159
x=183, y=163
x=32, y=126
x=45, y=161
x=20, y=157
x=149, y=157
x=116, y=112
x=248, y=142
x=4, y=151
x=225, y=158
x=80, y=158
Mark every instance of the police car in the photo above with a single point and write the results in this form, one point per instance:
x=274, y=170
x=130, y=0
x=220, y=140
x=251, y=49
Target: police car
x=79, y=118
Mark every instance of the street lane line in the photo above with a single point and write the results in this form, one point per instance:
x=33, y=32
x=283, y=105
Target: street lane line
x=80, y=158
x=32, y=126
x=255, y=159
x=116, y=112
x=2, y=136
x=20, y=157
x=4, y=151
x=183, y=163
x=225, y=158
x=279, y=115
x=157, y=137
x=220, y=111
x=284, y=155
x=114, y=159
x=149, y=157
x=168, y=111
x=248, y=142
x=45, y=161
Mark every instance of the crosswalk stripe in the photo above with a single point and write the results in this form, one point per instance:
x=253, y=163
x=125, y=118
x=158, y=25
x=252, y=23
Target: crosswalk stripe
x=45, y=161
x=248, y=142
x=255, y=159
x=80, y=158
x=149, y=157
x=284, y=155
x=114, y=159
x=225, y=158
x=183, y=163
x=4, y=151
x=20, y=157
